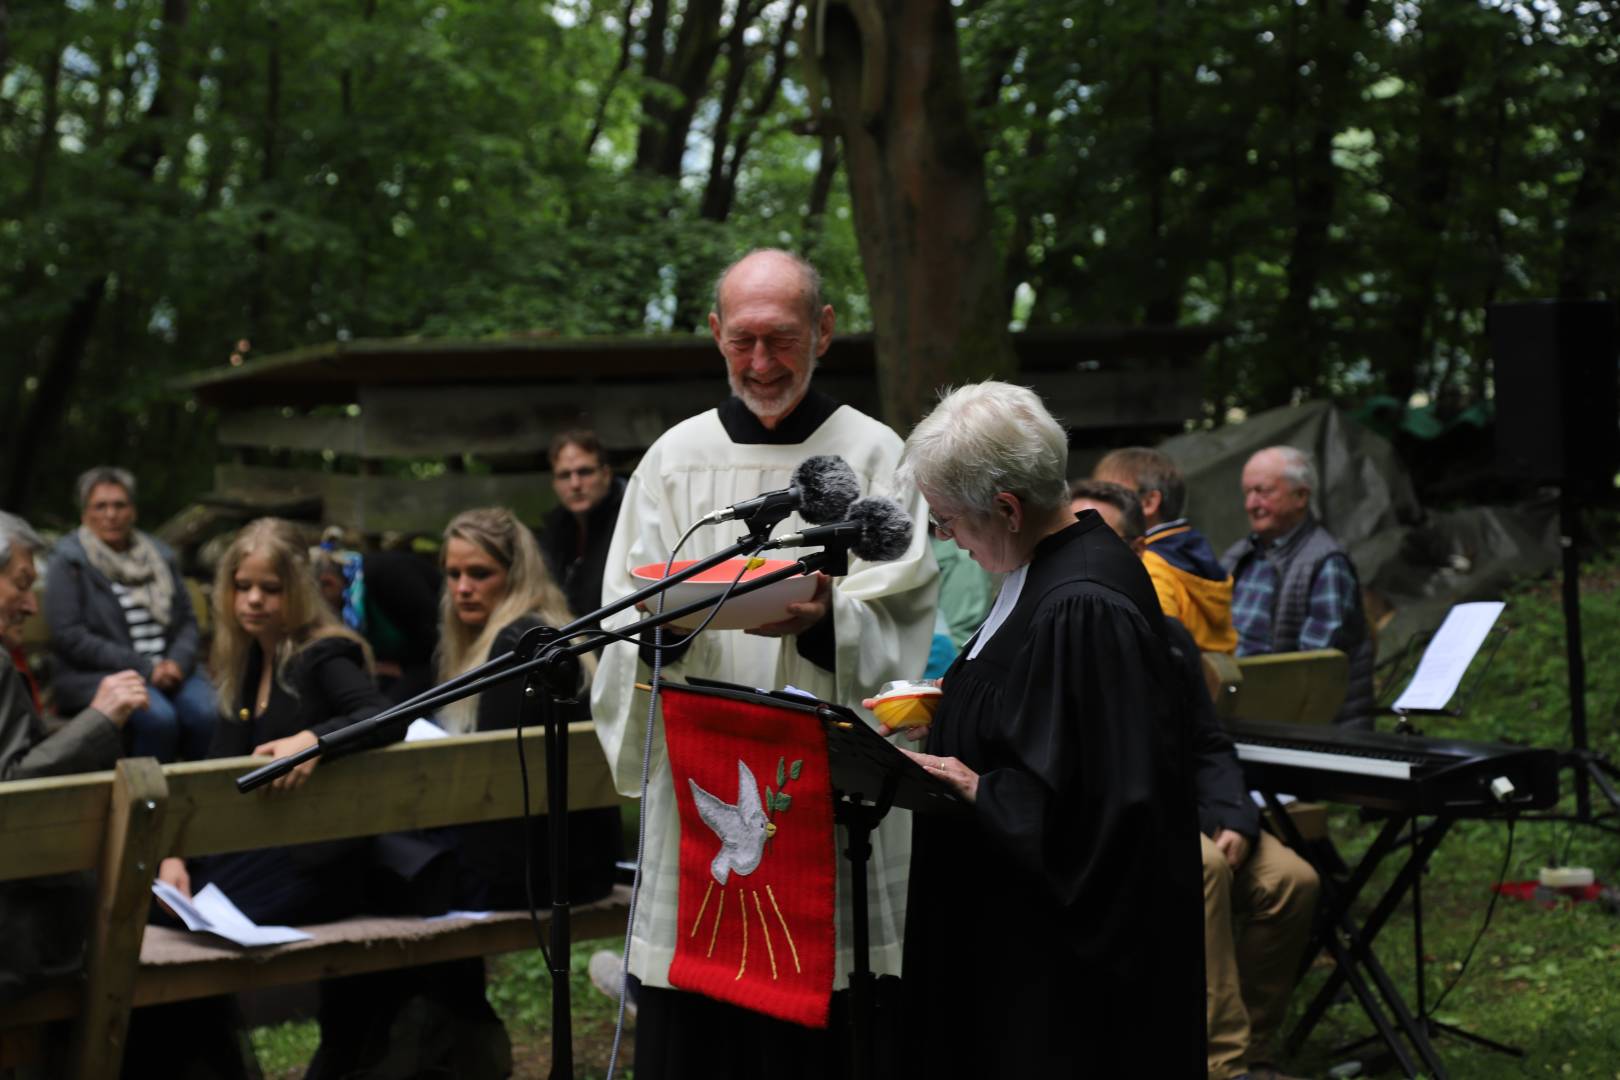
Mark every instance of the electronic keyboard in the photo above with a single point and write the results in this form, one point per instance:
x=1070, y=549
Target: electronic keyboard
x=1413, y=774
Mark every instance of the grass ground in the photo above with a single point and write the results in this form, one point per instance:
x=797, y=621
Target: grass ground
x=1546, y=980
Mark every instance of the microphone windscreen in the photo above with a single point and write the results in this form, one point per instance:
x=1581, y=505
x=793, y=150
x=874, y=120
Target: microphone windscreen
x=827, y=486
x=885, y=529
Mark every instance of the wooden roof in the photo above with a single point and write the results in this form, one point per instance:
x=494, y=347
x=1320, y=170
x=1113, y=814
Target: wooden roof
x=333, y=374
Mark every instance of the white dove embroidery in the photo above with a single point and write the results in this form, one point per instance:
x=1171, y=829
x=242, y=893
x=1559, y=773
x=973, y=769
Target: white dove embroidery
x=742, y=828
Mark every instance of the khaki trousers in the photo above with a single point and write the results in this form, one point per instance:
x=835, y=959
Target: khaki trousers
x=1257, y=923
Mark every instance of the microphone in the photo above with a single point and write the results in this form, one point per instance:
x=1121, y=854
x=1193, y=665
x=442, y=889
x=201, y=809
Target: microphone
x=823, y=488
x=877, y=530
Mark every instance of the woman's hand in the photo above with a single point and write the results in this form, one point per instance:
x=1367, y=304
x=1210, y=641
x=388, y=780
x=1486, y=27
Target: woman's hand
x=951, y=770
x=167, y=676
x=913, y=733
x=282, y=748
x=173, y=871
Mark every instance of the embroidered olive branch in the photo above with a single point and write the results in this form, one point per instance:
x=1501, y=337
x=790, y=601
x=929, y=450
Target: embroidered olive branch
x=780, y=800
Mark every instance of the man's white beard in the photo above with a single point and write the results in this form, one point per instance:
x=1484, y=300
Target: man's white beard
x=775, y=405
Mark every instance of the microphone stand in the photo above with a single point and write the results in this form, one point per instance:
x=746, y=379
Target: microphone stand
x=549, y=662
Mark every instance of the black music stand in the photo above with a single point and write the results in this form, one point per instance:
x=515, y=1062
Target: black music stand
x=1350, y=944
x=1406, y=665
x=870, y=777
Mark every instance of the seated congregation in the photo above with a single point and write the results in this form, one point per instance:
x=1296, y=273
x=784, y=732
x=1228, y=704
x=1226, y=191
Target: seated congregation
x=309, y=640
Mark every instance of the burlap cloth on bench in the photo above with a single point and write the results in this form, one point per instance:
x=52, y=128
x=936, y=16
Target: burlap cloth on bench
x=165, y=946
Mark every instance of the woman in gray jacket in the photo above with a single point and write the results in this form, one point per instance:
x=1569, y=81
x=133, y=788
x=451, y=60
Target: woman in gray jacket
x=114, y=599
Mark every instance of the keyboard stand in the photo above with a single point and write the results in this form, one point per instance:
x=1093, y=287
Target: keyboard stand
x=1356, y=966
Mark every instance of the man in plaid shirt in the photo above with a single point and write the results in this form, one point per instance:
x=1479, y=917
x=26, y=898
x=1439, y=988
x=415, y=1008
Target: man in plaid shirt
x=1293, y=585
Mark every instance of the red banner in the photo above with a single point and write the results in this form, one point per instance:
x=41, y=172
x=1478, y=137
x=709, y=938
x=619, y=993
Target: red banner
x=757, y=855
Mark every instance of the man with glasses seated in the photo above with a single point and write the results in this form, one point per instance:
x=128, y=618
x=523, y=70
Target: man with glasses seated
x=576, y=535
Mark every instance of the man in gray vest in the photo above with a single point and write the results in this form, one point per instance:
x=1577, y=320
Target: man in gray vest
x=1293, y=585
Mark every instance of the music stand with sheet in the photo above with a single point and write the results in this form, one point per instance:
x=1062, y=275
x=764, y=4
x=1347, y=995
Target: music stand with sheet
x=870, y=777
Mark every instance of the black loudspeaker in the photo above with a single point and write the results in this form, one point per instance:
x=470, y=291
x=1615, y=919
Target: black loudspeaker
x=1557, y=392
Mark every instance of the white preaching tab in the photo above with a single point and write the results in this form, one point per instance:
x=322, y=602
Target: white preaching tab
x=1450, y=651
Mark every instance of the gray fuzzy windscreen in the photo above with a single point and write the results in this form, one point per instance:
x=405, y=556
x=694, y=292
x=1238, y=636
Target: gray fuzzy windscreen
x=827, y=486
x=885, y=529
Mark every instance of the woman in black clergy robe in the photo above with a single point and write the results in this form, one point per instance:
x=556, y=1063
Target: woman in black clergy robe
x=1056, y=928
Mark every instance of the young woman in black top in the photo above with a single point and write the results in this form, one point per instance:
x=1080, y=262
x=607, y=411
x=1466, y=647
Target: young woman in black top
x=288, y=672
x=496, y=587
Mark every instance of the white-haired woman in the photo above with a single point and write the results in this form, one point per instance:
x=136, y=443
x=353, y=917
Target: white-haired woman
x=1057, y=930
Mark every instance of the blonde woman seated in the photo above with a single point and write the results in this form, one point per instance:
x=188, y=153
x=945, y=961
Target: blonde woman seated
x=288, y=672
x=496, y=588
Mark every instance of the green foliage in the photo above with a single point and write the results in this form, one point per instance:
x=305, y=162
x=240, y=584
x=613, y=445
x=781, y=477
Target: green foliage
x=1345, y=185
x=284, y=1050
x=293, y=173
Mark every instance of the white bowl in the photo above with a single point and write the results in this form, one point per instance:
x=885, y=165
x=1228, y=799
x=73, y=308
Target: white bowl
x=744, y=612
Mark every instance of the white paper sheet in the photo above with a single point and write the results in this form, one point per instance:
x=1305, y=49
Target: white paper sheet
x=457, y=915
x=422, y=728
x=1450, y=651
x=210, y=911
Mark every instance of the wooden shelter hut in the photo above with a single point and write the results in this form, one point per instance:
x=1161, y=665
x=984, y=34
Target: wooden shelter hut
x=399, y=435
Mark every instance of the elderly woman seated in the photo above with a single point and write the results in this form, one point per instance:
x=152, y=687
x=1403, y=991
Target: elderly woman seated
x=114, y=600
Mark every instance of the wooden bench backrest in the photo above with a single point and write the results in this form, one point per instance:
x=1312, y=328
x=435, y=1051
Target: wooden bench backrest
x=58, y=824
x=1297, y=687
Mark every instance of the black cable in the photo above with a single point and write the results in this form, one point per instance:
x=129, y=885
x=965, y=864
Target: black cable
x=646, y=774
x=1490, y=909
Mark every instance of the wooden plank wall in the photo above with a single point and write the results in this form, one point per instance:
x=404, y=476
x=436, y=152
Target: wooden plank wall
x=438, y=422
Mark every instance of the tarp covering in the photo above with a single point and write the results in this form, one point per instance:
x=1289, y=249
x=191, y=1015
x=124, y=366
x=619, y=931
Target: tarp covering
x=1416, y=562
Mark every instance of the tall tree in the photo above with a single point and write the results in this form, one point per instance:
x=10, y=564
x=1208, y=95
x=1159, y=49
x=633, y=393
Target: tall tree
x=917, y=185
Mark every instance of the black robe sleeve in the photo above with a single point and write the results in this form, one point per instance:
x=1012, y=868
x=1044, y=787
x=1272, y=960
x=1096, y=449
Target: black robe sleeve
x=1096, y=765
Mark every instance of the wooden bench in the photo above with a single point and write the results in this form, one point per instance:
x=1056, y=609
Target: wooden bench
x=1293, y=687
x=1296, y=687
x=121, y=823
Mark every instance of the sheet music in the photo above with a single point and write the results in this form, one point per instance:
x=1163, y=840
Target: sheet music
x=1450, y=651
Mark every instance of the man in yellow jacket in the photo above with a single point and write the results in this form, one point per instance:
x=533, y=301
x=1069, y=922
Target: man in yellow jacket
x=1191, y=583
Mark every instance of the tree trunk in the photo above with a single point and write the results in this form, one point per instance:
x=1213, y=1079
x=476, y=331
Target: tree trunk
x=626, y=41
x=821, y=190
x=922, y=215
x=269, y=167
x=1297, y=340
x=674, y=91
x=43, y=415
x=1444, y=62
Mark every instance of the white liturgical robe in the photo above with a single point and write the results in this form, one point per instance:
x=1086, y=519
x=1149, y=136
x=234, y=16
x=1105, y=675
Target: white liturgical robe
x=883, y=616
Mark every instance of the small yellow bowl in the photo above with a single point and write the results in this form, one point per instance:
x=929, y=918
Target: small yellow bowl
x=908, y=709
